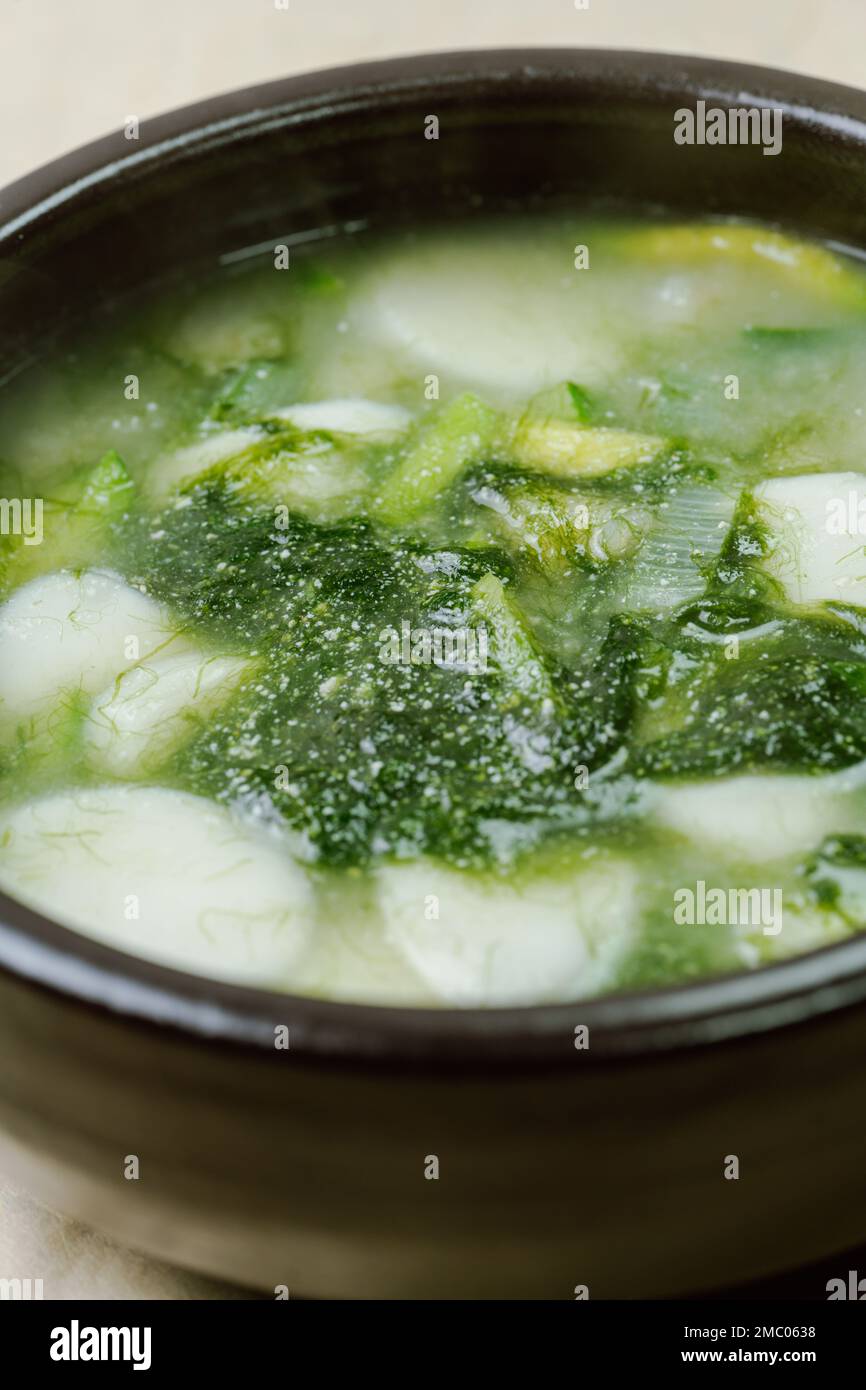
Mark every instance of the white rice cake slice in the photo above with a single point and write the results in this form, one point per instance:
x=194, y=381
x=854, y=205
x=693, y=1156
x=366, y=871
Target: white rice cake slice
x=817, y=551
x=164, y=875
x=148, y=712
x=66, y=631
x=508, y=317
x=477, y=940
x=759, y=817
x=349, y=415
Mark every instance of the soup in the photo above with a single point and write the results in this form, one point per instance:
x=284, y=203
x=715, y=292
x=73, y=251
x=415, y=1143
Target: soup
x=474, y=617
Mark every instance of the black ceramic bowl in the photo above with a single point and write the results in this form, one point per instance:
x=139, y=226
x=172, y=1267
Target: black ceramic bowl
x=557, y=1167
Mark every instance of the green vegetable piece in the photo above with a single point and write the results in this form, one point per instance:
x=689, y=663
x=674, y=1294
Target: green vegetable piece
x=567, y=401
x=549, y=527
x=240, y=469
x=628, y=671
x=459, y=434
x=811, y=718
x=74, y=523
x=798, y=264
x=315, y=472
x=836, y=874
x=569, y=450
x=524, y=673
x=790, y=339
x=254, y=392
x=108, y=488
x=555, y=528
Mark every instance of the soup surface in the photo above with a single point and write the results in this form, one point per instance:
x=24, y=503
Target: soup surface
x=476, y=617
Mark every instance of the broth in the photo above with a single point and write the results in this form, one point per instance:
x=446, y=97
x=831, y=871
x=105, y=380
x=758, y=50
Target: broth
x=470, y=617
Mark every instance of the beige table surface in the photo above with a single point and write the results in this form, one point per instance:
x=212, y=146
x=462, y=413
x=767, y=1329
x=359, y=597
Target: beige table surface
x=74, y=69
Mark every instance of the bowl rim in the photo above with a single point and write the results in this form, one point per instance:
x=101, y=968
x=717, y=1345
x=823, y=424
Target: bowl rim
x=636, y=1025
